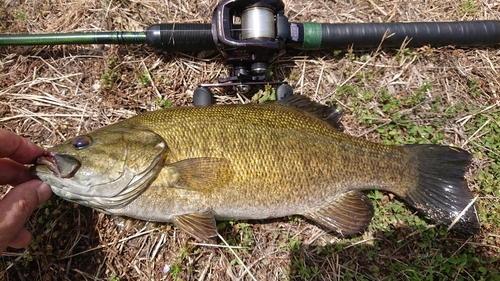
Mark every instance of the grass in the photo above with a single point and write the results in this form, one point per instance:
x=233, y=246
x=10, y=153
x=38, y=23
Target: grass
x=177, y=268
x=441, y=95
x=469, y=7
x=21, y=15
x=266, y=94
x=165, y=104
x=143, y=78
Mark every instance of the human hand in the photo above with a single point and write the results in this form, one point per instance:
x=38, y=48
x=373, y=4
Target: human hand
x=21, y=201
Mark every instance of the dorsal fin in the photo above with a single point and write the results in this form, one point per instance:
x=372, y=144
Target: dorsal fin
x=331, y=114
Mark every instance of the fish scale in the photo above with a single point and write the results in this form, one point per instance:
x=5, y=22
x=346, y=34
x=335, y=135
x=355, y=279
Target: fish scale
x=257, y=161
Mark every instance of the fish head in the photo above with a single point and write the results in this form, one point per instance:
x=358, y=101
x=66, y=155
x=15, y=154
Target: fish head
x=104, y=169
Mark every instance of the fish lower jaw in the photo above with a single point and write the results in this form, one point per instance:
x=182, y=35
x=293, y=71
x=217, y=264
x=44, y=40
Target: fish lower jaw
x=75, y=198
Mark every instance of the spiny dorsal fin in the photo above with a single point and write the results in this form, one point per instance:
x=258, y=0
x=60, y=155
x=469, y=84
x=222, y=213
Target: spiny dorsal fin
x=201, y=226
x=348, y=214
x=204, y=173
x=331, y=114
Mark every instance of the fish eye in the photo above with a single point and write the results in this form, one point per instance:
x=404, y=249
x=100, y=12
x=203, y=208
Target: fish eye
x=81, y=142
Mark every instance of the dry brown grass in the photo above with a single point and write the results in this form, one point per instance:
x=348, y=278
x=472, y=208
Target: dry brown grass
x=48, y=94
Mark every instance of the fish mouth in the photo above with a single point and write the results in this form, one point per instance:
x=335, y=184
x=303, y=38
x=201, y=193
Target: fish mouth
x=61, y=165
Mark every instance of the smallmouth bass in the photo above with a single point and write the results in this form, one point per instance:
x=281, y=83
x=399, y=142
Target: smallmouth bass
x=194, y=165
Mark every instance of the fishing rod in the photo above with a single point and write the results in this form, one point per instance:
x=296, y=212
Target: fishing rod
x=251, y=33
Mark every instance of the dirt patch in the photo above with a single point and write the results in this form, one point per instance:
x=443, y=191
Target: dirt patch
x=49, y=94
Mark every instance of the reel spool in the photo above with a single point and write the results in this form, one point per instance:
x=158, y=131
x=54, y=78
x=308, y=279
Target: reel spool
x=257, y=22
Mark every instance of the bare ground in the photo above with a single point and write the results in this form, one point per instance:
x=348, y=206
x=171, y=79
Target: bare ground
x=49, y=94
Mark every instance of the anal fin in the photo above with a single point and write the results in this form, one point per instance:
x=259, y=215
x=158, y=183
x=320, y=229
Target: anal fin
x=348, y=214
x=200, y=225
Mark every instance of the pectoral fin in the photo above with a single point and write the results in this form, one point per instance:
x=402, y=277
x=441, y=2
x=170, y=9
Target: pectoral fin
x=201, y=226
x=348, y=214
x=204, y=173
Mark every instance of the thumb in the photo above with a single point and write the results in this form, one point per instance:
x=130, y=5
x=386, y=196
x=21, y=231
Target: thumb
x=15, y=209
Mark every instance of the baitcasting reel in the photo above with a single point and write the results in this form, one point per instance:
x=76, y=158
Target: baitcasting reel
x=249, y=34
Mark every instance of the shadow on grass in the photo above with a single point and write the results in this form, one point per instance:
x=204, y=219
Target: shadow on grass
x=398, y=254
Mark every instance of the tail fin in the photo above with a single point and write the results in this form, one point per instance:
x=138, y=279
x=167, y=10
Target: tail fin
x=442, y=192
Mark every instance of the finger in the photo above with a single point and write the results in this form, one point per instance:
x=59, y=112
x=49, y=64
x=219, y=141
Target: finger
x=22, y=239
x=18, y=148
x=17, y=206
x=13, y=173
